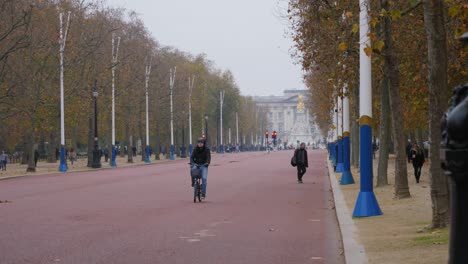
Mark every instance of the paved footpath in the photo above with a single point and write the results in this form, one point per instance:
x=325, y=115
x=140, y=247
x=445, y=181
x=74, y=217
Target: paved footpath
x=255, y=212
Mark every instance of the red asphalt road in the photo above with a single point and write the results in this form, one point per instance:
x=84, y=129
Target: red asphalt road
x=255, y=212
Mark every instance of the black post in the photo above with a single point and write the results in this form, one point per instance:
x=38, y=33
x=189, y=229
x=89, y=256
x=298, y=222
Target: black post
x=454, y=157
x=182, y=149
x=206, y=130
x=96, y=154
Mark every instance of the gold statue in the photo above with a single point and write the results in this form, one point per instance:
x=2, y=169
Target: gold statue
x=300, y=103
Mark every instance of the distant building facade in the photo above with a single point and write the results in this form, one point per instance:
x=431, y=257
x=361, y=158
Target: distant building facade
x=289, y=116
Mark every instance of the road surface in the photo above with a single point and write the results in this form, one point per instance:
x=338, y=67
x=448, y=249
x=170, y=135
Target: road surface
x=255, y=212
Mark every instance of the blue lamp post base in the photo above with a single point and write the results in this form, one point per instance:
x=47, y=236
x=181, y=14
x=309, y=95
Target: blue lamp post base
x=366, y=205
x=172, y=152
x=190, y=149
x=63, y=164
x=114, y=153
x=347, y=178
x=147, y=157
x=339, y=167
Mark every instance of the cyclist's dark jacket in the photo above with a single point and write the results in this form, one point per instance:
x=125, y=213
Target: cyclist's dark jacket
x=201, y=156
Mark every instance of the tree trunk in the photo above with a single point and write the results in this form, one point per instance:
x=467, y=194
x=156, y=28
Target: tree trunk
x=382, y=177
x=140, y=130
x=355, y=130
x=25, y=156
x=437, y=81
x=391, y=73
x=51, y=148
x=73, y=139
x=420, y=137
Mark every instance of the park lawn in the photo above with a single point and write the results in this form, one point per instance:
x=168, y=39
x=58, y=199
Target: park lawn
x=398, y=236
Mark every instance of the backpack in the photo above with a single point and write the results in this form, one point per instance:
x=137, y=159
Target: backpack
x=293, y=160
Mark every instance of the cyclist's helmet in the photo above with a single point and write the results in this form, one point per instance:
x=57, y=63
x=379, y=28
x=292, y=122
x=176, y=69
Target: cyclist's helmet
x=201, y=140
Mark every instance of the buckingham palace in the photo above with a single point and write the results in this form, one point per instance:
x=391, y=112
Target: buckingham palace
x=288, y=115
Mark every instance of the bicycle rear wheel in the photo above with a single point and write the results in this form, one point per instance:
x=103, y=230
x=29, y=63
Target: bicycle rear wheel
x=199, y=193
x=196, y=191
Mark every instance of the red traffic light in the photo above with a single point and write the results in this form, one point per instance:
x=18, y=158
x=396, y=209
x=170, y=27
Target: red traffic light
x=274, y=134
x=203, y=135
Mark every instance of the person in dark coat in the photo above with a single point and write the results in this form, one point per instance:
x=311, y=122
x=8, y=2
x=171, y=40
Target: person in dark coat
x=375, y=147
x=301, y=161
x=201, y=156
x=106, y=154
x=36, y=157
x=417, y=157
x=408, y=150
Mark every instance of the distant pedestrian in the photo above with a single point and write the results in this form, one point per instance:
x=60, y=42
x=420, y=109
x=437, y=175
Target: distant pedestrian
x=301, y=161
x=57, y=154
x=72, y=155
x=375, y=147
x=3, y=161
x=106, y=154
x=417, y=157
x=36, y=157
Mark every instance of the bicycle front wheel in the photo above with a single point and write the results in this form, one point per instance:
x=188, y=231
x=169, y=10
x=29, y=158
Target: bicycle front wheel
x=196, y=191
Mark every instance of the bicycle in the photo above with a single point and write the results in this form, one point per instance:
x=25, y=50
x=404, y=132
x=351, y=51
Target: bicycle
x=196, y=173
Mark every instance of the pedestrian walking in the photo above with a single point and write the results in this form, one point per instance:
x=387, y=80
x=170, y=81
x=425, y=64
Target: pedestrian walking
x=72, y=155
x=301, y=161
x=36, y=157
x=3, y=161
x=106, y=154
x=375, y=147
x=57, y=154
x=417, y=157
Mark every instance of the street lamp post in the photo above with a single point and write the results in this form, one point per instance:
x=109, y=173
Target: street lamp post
x=147, y=149
x=115, y=53
x=191, y=81
x=96, y=155
x=366, y=204
x=339, y=163
x=221, y=100
x=62, y=42
x=346, y=177
x=172, y=74
x=237, y=129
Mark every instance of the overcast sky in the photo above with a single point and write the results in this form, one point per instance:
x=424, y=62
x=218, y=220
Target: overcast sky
x=244, y=36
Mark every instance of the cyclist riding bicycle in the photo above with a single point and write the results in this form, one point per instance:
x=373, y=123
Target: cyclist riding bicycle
x=201, y=157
